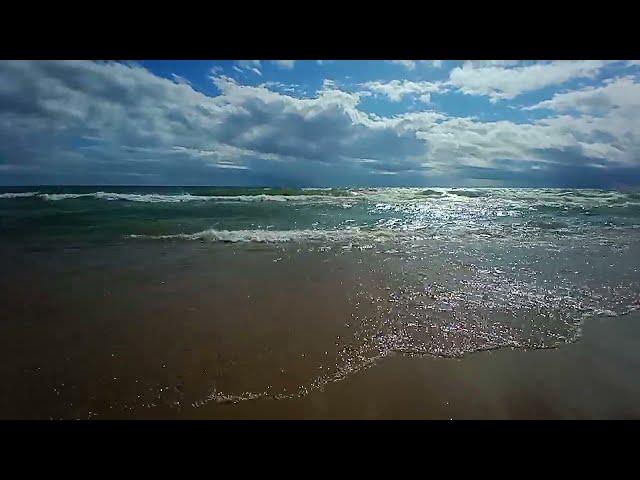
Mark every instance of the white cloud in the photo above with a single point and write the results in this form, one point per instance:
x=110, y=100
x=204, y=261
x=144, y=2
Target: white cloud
x=499, y=81
x=557, y=142
x=179, y=79
x=286, y=64
x=619, y=93
x=604, y=118
x=395, y=90
x=412, y=64
x=287, y=88
x=494, y=63
x=468, y=142
x=248, y=65
x=408, y=64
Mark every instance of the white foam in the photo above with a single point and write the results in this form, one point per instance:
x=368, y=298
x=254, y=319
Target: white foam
x=18, y=194
x=149, y=198
x=64, y=196
x=131, y=197
x=275, y=236
x=177, y=198
x=279, y=198
x=439, y=201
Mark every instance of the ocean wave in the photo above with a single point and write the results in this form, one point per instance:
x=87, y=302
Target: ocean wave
x=430, y=193
x=278, y=198
x=468, y=193
x=64, y=196
x=500, y=199
x=179, y=198
x=130, y=197
x=18, y=194
x=275, y=236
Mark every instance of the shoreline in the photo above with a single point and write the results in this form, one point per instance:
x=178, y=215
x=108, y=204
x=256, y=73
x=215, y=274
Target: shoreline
x=592, y=378
x=146, y=330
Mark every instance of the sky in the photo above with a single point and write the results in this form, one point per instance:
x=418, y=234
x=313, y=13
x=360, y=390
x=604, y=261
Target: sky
x=560, y=123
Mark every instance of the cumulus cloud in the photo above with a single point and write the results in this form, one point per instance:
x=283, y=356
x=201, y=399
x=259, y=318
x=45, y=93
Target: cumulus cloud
x=605, y=116
x=617, y=93
x=502, y=80
x=395, y=90
x=75, y=116
x=287, y=88
x=180, y=79
x=326, y=128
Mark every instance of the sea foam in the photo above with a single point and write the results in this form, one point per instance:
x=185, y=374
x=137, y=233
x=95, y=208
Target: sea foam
x=275, y=236
x=18, y=195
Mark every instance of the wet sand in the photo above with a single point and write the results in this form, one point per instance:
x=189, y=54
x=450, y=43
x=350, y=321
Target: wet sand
x=595, y=378
x=175, y=330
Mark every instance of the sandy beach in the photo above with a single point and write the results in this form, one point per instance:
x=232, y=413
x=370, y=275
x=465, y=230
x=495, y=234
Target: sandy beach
x=208, y=331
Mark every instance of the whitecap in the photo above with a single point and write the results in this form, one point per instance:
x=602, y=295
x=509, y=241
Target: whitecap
x=276, y=236
x=18, y=195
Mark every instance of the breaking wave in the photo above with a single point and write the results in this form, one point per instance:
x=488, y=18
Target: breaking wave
x=18, y=194
x=541, y=200
x=178, y=198
x=468, y=193
x=274, y=236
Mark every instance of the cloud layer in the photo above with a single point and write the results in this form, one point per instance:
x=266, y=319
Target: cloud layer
x=109, y=122
x=502, y=80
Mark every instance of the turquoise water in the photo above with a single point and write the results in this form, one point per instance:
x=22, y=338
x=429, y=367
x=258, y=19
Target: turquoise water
x=281, y=215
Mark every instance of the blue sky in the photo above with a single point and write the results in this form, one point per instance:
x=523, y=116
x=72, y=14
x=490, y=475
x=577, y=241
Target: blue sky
x=321, y=123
